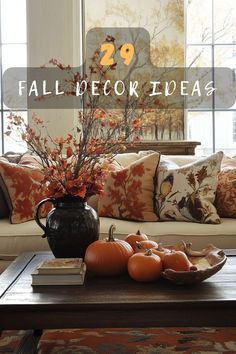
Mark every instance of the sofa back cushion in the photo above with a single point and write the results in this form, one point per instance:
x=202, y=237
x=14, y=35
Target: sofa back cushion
x=182, y=160
x=127, y=158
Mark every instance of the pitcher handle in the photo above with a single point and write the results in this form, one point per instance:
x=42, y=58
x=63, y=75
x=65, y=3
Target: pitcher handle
x=37, y=210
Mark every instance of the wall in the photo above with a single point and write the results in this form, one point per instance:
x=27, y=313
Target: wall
x=53, y=32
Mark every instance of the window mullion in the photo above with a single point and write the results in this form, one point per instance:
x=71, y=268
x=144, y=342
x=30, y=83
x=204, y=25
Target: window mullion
x=213, y=74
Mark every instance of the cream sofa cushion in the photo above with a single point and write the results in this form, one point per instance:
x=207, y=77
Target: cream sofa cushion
x=127, y=158
x=222, y=235
x=181, y=160
x=15, y=240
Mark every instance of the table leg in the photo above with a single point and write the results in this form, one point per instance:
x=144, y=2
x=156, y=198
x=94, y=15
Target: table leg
x=29, y=343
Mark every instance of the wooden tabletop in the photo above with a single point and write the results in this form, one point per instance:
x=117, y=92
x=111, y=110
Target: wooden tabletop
x=114, y=302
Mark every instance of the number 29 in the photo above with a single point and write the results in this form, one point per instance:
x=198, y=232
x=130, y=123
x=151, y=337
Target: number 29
x=126, y=53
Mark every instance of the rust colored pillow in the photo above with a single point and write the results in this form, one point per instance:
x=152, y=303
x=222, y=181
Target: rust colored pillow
x=23, y=190
x=129, y=192
x=225, y=201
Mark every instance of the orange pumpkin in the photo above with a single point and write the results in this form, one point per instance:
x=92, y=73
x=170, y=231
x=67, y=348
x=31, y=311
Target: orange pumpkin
x=132, y=238
x=160, y=251
x=142, y=246
x=108, y=257
x=176, y=260
x=156, y=251
x=145, y=266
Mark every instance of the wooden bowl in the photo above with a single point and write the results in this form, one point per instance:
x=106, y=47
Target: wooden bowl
x=206, y=263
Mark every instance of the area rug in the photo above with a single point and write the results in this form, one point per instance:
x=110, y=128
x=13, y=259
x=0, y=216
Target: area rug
x=10, y=341
x=127, y=340
x=139, y=341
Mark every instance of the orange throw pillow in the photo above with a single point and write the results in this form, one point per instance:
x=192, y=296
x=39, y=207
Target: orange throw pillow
x=225, y=201
x=129, y=192
x=23, y=190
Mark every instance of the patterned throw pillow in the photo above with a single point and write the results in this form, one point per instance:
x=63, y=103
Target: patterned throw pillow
x=129, y=192
x=187, y=193
x=23, y=190
x=225, y=201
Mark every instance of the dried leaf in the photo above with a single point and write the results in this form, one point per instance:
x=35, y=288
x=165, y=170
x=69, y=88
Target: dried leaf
x=191, y=180
x=201, y=174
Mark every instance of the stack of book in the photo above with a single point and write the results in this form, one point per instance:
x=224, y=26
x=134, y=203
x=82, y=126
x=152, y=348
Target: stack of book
x=60, y=271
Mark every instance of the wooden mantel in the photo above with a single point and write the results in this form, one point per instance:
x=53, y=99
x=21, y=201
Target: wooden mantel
x=166, y=147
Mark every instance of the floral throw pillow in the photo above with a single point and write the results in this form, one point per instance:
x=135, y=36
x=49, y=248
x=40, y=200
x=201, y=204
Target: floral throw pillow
x=225, y=201
x=23, y=190
x=188, y=193
x=129, y=192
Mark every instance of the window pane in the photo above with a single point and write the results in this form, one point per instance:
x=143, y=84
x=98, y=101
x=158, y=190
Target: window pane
x=13, y=21
x=199, y=56
x=225, y=132
x=199, y=21
x=225, y=56
x=14, y=55
x=199, y=128
x=12, y=143
x=225, y=21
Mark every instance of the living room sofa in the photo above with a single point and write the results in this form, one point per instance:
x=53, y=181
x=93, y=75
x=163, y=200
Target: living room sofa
x=18, y=238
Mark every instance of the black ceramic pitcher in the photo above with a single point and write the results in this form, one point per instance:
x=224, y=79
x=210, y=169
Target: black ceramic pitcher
x=70, y=226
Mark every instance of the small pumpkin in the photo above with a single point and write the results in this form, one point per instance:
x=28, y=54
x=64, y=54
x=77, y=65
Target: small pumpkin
x=145, y=266
x=108, y=257
x=133, y=238
x=157, y=249
x=144, y=245
x=160, y=251
x=177, y=260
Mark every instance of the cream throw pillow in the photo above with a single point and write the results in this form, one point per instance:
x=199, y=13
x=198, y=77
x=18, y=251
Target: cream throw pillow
x=188, y=193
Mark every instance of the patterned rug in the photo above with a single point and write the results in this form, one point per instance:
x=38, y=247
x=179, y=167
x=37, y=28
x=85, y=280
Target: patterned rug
x=168, y=340
x=11, y=340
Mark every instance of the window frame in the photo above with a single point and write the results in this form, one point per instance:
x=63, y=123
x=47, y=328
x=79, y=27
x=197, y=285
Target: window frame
x=4, y=110
x=213, y=44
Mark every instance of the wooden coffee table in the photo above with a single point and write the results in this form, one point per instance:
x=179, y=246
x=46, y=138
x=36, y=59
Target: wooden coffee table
x=114, y=302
